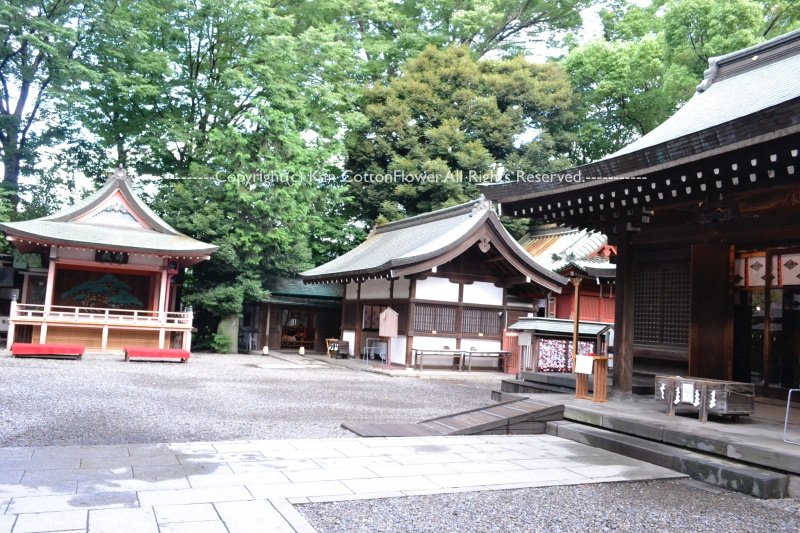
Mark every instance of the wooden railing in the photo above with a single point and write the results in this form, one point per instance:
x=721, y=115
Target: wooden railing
x=100, y=316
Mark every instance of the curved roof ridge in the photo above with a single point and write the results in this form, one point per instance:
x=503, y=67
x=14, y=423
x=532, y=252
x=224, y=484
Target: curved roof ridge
x=117, y=181
x=440, y=214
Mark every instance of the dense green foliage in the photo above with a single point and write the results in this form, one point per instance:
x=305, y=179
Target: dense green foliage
x=247, y=122
x=650, y=60
x=448, y=123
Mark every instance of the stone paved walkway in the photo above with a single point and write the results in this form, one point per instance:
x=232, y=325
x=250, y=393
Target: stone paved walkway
x=247, y=486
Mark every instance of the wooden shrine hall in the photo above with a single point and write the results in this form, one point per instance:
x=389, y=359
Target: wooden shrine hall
x=455, y=276
x=112, y=279
x=705, y=214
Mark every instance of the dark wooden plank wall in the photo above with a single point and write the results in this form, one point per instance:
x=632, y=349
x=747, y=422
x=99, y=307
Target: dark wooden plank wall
x=711, y=333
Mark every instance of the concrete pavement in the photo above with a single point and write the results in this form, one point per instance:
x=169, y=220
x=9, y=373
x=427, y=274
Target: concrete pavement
x=244, y=486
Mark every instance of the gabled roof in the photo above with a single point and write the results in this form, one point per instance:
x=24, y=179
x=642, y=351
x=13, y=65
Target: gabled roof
x=112, y=218
x=558, y=326
x=418, y=243
x=747, y=97
x=563, y=249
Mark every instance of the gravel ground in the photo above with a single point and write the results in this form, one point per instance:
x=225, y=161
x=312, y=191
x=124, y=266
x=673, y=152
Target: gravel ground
x=663, y=506
x=103, y=400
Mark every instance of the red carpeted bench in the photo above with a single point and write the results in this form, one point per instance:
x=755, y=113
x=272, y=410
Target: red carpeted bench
x=156, y=353
x=23, y=349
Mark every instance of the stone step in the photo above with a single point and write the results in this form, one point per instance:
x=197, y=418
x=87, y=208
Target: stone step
x=731, y=475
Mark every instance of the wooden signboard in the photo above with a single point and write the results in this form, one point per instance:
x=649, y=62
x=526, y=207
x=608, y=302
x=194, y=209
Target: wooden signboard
x=388, y=323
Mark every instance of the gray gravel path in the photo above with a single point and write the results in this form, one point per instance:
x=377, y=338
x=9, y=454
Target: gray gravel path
x=103, y=400
x=662, y=506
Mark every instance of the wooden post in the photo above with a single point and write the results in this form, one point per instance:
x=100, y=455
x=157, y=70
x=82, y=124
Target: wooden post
x=162, y=296
x=48, y=291
x=576, y=320
x=104, y=338
x=11, y=317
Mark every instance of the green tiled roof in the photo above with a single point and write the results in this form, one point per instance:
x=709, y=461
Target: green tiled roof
x=415, y=240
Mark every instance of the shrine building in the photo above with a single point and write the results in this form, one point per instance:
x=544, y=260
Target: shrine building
x=112, y=276
x=704, y=212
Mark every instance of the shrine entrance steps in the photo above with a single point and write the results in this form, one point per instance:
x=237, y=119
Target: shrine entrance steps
x=748, y=455
x=516, y=416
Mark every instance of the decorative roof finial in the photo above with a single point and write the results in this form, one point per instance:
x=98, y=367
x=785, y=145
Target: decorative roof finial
x=119, y=173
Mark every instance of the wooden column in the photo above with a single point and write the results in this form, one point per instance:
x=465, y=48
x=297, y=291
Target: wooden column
x=359, y=322
x=11, y=327
x=622, y=379
x=412, y=295
x=162, y=295
x=576, y=316
x=48, y=295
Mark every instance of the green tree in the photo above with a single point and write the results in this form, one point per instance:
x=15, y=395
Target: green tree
x=446, y=124
x=650, y=61
x=37, y=58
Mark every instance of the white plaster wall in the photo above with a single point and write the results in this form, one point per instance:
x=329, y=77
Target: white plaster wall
x=433, y=343
x=374, y=289
x=398, y=350
x=481, y=345
x=440, y=289
x=401, y=287
x=482, y=292
x=349, y=335
x=351, y=291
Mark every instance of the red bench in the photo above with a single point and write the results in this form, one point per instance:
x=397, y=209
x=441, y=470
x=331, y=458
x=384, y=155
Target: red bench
x=23, y=349
x=156, y=353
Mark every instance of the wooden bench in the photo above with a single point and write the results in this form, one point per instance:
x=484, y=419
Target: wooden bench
x=156, y=353
x=23, y=349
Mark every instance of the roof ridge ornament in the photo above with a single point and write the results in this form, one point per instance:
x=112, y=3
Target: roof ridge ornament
x=118, y=173
x=481, y=204
x=709, y=74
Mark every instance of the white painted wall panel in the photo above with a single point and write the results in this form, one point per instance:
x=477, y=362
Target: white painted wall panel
x=401, y=287
x=440, y=289
x=374, y=289
x=434, y=343
x=351, y=291
x=482, y=292
x=398, y=350
x=481, y=345
x=350, y=336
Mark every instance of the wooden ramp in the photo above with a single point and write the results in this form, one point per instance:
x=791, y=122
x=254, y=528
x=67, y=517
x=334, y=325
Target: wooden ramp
x=520, y=416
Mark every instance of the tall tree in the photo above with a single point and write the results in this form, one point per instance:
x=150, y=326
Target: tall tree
x=650, y=60
x=448, y=123
x=39, y=44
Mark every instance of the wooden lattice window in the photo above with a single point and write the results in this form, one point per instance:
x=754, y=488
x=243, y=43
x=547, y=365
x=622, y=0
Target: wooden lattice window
x=486, y=321
x=439, y=318
x=661, y=304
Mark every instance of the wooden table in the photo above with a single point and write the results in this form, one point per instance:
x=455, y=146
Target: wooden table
x=704, y=396
x=419, y=355
x=500, y=355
